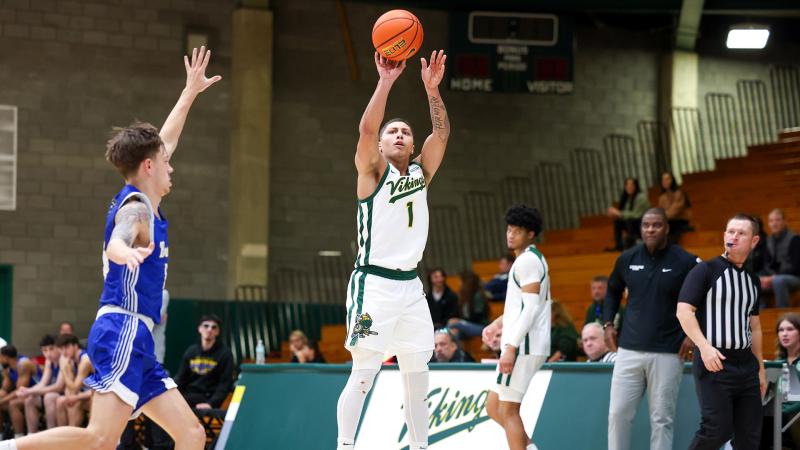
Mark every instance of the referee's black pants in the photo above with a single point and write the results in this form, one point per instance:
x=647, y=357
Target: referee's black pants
x=730, y=402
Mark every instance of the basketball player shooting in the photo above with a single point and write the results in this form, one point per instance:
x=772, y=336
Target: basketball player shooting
x=127, y=378
x=386, y=307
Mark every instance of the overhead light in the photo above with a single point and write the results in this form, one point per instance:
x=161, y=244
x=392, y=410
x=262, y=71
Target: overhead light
x=329, y=253
x=750, y=36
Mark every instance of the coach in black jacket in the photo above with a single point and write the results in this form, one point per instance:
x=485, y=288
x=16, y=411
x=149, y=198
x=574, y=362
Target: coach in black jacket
x=652, y=345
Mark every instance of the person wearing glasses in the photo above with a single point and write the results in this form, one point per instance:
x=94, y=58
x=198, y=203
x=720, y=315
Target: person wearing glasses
x=446, y=349
x=205, y=376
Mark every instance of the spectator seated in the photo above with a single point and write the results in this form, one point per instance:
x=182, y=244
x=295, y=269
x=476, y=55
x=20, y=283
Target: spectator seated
x=594, y=344
x=446, y=349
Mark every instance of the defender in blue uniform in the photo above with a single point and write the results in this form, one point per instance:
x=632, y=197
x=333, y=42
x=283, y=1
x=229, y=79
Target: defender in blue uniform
x=127, y=378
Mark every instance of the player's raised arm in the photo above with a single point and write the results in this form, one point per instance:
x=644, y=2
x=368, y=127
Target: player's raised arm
x=132, y=225
x=368, y=158
x=435, y=144
x=196, y=82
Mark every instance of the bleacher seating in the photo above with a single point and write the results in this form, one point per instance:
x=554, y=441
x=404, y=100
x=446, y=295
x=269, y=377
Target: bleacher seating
x=767, y=178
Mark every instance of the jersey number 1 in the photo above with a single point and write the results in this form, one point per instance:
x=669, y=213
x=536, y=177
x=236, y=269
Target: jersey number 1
x=410, y=206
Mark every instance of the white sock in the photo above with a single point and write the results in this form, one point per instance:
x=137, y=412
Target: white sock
x=531, y=446
x=415, y=408
x=8, y=445
x=18, y=435
x=351, y=402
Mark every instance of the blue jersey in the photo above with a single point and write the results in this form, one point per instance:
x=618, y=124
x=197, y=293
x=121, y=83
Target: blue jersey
x=138, y=291
x=54, y=368
x=13, y=374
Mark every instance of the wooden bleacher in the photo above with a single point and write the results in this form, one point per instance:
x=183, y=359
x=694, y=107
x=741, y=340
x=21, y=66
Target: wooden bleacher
x=765, y=179
x=768, y=177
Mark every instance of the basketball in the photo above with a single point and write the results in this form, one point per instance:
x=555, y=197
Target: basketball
x=397, y=35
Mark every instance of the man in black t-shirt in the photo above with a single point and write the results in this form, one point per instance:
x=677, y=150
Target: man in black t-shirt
x=651, y=346
x=718, y=310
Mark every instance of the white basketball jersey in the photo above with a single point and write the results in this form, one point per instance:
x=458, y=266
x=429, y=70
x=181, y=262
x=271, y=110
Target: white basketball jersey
x=532, y=262
x=393, y=221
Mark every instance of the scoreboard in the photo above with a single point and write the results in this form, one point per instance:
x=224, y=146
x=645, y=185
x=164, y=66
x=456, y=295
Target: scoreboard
x=511, y=52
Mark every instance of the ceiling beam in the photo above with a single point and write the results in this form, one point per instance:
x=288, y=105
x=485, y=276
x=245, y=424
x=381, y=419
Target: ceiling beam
x=688, y=24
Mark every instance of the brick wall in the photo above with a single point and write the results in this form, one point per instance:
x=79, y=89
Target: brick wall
x=317, y=109
x=75, y=69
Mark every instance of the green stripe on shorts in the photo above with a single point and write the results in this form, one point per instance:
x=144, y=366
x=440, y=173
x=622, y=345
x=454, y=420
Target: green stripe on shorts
x=352, y=285
x=359, y=302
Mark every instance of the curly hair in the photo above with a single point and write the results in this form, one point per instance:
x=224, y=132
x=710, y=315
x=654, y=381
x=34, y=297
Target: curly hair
x=131, y=145
x=525, y=217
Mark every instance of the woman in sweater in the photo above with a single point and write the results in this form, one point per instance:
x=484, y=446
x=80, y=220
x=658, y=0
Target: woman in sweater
x=628, y=217
x=676, y=203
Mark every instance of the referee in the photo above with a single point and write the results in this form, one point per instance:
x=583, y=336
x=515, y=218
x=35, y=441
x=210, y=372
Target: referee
x=718, y=310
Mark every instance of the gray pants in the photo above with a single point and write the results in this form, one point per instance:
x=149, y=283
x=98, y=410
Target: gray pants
x=783, y=286
x=634, y=371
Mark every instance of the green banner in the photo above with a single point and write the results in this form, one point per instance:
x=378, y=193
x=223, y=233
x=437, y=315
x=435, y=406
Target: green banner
x=292, y=406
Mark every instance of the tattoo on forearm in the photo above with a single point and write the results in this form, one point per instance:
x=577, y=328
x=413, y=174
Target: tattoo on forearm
x=127, y=220
x=439, y=114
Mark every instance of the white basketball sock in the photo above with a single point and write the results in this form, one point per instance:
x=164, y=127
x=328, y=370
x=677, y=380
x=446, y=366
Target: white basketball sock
x=8, y=445
x=415, y=408
x=531, y=447
x=351, y=401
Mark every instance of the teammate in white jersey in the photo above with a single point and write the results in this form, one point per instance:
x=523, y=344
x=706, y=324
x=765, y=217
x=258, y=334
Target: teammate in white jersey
x=525, y=325
x=386, y=307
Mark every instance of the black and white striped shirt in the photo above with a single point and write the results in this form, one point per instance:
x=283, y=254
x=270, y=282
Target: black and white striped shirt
x=608, y=357
x=725, y=297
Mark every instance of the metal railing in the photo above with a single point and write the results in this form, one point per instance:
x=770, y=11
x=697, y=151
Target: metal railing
x=625, y=159
x=330, y=276
x=785, y=81
x=592, y=195
x=250, y=293
x=484, y=213
x=654, y=141
x=555, y=196
x=447, y=239
x=756, y=117
x=290, y=285
x=688, y=144
x=724, y=131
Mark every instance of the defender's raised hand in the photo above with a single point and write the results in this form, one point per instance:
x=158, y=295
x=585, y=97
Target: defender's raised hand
x=388, y=70
x=196, y=79
x=433, y=73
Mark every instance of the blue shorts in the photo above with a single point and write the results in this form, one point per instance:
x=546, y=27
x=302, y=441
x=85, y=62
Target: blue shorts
x=122, y=352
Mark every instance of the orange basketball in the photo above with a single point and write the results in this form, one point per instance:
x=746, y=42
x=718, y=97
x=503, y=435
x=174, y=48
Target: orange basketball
x=397, y=35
